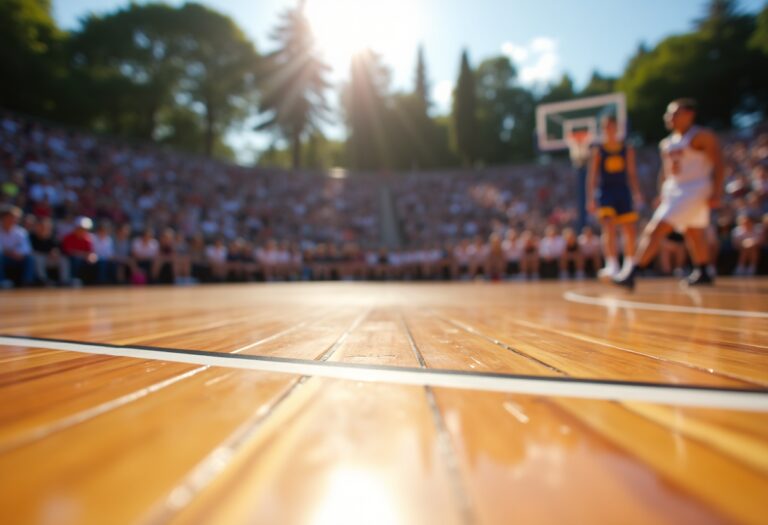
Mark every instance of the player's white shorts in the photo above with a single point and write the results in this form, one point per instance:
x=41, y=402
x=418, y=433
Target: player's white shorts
x=684, y=205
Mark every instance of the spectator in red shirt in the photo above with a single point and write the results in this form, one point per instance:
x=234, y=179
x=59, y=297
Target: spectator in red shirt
x=78, y=246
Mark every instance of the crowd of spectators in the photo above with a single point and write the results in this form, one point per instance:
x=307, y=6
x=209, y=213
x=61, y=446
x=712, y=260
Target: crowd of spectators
x=159, y=212
x=536, y=205
x=76, y=208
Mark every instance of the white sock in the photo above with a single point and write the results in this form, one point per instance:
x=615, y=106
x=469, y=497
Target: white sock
x=629, y=263
x=611, y=262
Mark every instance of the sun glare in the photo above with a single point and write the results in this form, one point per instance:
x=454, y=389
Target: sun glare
x=345, y=27
x=356, y=496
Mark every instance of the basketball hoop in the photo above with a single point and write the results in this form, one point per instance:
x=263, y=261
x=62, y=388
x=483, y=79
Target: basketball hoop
x=579, y=142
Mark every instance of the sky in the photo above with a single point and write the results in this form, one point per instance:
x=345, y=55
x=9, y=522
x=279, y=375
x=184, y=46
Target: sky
x=544, y=38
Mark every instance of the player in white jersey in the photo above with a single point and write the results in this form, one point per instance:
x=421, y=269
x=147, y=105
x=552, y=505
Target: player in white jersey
x=692, y=182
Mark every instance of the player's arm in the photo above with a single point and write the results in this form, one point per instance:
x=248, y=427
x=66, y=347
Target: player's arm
x=707, y=142
x=594, y=167
x=634, y=184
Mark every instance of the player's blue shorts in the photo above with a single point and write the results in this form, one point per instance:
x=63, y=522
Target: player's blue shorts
x=616, y=202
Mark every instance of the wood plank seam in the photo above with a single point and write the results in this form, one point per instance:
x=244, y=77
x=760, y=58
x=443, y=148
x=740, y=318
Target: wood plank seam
x=444, y=442
x=204, y=473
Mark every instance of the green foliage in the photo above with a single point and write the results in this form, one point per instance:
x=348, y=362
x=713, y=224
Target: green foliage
x=366, y=103
x=391, y=130
x=422, y=84
x=220, y=66
x=759, y=39
x=505, y=113
x=414, y=135
x=142, y=61
x=294, y=87
x=714, y=64
x=30, y=57
x=465, y=126
x=131, y=54
x=598, y=85
x=562, y=90
x=320, y=153
x=183, y=75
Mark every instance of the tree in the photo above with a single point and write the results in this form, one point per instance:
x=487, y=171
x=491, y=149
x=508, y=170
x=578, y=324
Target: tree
x=759, y=39
x=411, y=133
x=366, y=103
x=505, y=113
x=182, y=129
x=714, y=64
x=717, y=13
x=293, y=91
x=131, y=55
x=562, y=90
x=220, y=66
x=465, y=139
x=736, y=73
x=598, y=85
x=30, y=57
x=657, y=76
x=421, y=92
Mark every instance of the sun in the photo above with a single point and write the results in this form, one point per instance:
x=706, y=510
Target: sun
x=343, y=28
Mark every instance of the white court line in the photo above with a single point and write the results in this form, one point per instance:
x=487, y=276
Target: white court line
x=543, y=386
x=610, y=302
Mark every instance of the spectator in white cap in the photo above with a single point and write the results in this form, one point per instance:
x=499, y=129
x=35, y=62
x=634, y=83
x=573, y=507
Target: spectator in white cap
x=78, y=246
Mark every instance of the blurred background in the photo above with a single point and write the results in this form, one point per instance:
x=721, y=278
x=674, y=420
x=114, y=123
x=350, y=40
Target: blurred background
x=373, y=85
x=342, y=139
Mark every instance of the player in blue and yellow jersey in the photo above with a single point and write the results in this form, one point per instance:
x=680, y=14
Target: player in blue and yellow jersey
x=612, y=173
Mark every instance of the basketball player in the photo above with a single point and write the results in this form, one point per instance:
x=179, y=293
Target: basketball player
x=692, y=182
x=613, y=163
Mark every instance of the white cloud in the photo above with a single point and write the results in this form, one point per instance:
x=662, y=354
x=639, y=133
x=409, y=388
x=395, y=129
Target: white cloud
x=544, y=44
x=518, y=54
x=538, y=61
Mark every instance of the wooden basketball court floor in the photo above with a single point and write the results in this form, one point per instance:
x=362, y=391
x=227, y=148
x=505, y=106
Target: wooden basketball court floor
x=336, y=403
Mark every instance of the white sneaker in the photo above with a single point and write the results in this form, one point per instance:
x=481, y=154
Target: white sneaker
x=624, y=273
x=609, y=272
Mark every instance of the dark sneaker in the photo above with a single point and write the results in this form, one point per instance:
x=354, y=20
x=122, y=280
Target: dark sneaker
x=627, y=281
x=699, y=278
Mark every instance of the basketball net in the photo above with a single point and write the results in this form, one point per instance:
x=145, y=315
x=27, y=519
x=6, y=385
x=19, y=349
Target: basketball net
x=579, y=143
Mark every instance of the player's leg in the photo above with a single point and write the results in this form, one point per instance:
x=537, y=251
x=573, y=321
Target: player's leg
x=629, y=234
x=647, y=248
x=679, y=257
x=698, y=249
x=755, y=260
x=650, y=241
x=626, y=219
x=608, y=238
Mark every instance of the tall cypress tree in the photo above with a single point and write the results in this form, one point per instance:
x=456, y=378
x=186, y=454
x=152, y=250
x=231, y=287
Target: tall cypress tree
x=422, y=86
x=365, y=100
x=465, y=113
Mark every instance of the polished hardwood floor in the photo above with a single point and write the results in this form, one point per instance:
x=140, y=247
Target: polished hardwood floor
x=87, y=437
